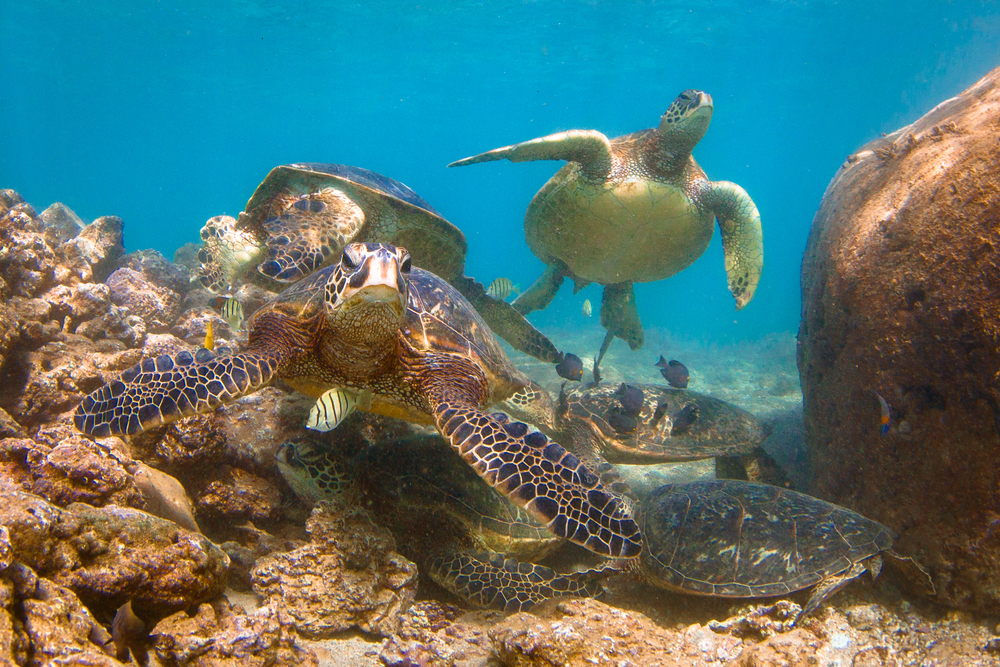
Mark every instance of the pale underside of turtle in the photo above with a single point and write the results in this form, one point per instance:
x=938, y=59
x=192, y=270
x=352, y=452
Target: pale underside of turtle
x=302, y=216
x=636, y=208
x=371, y=324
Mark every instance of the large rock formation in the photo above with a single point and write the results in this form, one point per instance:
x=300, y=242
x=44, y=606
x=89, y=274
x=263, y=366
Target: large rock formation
x=901, y=296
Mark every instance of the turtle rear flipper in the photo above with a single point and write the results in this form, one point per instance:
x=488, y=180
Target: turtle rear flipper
x=590, y=148
x=309, y=233
x=551, y=484
x=507, y=322
x=167, y=388
x=489, y=580
x=742, y=237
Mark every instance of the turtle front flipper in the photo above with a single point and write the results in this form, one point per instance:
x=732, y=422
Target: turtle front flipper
x=537, y=474
x=543, y=290
x=507, y=322
x=309, y=233
x=742, y=237
x=491, y=581
x=167, y=388
x=590, y=148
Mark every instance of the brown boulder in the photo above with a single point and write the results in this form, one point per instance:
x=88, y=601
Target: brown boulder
x=349, y=576
x=900, y=287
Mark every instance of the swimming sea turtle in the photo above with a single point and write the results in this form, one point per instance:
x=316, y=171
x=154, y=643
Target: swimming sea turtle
x=415, y=349
x=302, y=215
x=636, y=208
x=671, y=425
x=435, y=506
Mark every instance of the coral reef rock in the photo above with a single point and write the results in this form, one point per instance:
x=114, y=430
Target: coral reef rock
x=220, y=634
x=110, y=555
x=150, y=287
x=349, y=576
x=899, y=296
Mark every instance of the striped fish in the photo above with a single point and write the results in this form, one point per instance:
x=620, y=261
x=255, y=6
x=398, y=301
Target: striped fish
x=334, y=406
x=231, y=310
x=588, y=310
x=501, y=288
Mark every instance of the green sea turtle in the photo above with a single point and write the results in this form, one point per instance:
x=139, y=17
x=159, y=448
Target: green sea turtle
x=724, y=538
x=302, y=215
x=636, y=208
x=671, y=425
x=416, y=349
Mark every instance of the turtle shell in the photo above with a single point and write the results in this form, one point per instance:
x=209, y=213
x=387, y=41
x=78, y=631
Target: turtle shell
x=438, y=320
x=731, y=538
x=721, y=429
x=422, y=482
x=394, y=213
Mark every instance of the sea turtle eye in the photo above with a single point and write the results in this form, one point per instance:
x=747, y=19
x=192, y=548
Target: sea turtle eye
x=406, y=265
x=348, y=262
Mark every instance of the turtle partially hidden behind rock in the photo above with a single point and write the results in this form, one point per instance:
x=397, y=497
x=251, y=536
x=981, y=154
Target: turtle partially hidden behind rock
x=636, y=208
x=372, y=324
x=302, y=216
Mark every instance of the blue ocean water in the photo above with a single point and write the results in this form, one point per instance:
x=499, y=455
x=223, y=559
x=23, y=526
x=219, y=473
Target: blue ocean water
x=166, y=113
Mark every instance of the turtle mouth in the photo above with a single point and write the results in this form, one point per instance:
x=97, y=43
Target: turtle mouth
x=377, y=296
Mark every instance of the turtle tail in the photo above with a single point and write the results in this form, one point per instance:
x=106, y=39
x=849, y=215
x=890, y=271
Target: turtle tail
x=167, y=388
x=489, y=580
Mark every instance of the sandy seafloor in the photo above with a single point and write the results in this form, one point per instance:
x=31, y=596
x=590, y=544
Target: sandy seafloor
x=867, y=623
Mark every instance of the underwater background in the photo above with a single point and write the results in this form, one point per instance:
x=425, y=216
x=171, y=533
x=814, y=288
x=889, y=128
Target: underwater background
x=167, y=113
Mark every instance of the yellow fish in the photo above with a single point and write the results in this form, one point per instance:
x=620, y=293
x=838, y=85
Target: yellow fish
x=209, y=336
x=501, y=288
x=588, y=310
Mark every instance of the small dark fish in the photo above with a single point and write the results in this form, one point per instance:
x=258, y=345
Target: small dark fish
x=129, y=633
x=621, y=422
x=597, y=373
x=684, y=419
x=570, y=368
x=501, y=288
x=631, y=399
x=661, y=411
x=674, y=372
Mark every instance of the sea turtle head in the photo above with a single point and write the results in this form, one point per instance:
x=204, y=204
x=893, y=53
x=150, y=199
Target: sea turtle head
x=688, y=117
x=367, y=291
x=312, y=473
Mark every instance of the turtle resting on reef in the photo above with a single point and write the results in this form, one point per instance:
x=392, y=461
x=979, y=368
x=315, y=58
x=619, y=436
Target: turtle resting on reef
x=302, y=215
x=724, y=538
x=636, y=208
x=416, y=349
x=669, y=425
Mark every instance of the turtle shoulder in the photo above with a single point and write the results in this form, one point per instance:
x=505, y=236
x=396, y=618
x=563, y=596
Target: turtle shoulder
x=440, y=320
x=732, y=538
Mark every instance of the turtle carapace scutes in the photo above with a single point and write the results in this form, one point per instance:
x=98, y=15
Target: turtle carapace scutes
x=373, y=323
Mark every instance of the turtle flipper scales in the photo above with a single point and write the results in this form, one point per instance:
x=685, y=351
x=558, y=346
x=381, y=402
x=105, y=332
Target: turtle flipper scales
x=507, y=322
x=742, y=237
x=489, y=580
x=590, y=148
x=312, y=230
x=538, y=474
x=167, y=388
